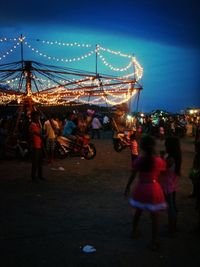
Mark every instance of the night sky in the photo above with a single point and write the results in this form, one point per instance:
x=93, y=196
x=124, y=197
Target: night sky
x=163, y=35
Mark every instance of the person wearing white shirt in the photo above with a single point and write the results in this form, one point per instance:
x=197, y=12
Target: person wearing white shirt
x=96, y=126
x=51, y=128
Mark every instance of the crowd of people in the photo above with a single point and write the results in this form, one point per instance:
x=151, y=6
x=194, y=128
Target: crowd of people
x=157, y=183
x=157, y=175
x=15, y=130
x=157, y=125
x=158, y=180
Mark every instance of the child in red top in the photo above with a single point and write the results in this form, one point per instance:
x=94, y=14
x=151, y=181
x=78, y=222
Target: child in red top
x=147, y=194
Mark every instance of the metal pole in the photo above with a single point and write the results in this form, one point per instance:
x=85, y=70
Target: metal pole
x=130, y=103
x=28, y=65
x=96, y=59
x=132, y=87
x=22, y=49
x=138, y=98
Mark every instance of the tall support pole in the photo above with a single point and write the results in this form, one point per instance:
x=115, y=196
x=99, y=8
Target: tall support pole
x=138, y=98
x=22, y=49
x=130, y=102
x=132, y=86
x=27, y=102
x=96, y=59
x=28, y=65
x=27, y=70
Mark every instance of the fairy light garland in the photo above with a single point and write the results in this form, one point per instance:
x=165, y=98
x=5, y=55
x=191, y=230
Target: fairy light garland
x=105, y=62
x=92, y=101
x=138, y=69
x=64, y=44
x=113, y=95
x=5, y=98
x=118, y=53
x=11, y=50
x=113, y=103
x=112, y=91
x=5, y=39
x=90, y=53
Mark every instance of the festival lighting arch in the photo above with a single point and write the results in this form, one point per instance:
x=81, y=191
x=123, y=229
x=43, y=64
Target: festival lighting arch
x=34, y=82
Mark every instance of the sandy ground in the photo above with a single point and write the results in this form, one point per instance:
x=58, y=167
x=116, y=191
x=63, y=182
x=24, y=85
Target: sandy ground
x=48, y=224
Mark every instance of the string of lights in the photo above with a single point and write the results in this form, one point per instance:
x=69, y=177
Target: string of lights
x=105, y=62
x=53, y=85
x=57, y=58
x=118, y=53
x=11, y=50
x=64, y=44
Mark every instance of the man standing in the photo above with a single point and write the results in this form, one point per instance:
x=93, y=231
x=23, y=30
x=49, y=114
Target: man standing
x=35, y=131
x=96, y=126
x=51, y=129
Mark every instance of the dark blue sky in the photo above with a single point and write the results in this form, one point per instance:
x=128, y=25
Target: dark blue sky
x=164, y=36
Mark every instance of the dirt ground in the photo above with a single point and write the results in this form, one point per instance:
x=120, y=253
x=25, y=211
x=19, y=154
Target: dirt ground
x=48, y=224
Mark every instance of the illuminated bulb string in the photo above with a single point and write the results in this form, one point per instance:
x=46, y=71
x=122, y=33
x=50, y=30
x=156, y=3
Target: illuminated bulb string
x=118, y=53
x=112, y=103
x=65, y=44
x=138, y=73
x=95, y=101
x=59, y=94
x=5, y=39
x=9, y=51
x=105, y=62
x=138, y=68
x=59, y=59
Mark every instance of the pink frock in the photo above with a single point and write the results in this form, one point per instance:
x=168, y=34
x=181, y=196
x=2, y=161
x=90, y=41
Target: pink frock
x=148, y=194
x=169, y=180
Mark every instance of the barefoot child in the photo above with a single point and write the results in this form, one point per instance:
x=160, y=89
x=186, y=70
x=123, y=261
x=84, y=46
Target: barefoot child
x=147, y=194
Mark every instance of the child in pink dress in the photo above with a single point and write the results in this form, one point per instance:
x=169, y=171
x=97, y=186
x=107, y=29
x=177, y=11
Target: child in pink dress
x=133, y=147
x=169, y=179
x=147, y=194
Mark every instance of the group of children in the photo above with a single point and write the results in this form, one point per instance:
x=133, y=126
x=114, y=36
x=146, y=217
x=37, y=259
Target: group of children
x=157, y=182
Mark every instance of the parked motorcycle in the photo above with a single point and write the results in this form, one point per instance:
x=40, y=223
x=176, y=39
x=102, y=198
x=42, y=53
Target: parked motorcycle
x=17, y=148
x=79, y=146
x=121, y=140
x=23, y=149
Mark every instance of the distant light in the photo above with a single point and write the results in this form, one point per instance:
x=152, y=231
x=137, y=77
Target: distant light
x=129, y=117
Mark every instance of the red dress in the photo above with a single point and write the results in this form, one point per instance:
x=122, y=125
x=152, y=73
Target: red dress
x=148, y=194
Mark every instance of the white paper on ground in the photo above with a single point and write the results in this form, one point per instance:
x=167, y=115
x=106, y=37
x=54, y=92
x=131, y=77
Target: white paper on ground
x=61, y=169
x=88, y=249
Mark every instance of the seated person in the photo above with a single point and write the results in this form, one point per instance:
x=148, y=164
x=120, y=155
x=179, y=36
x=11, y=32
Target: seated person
x=70, y=128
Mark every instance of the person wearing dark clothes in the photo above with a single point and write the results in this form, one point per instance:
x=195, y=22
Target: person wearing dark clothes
x=195, y=177
x=35, y=131
x=169, y=179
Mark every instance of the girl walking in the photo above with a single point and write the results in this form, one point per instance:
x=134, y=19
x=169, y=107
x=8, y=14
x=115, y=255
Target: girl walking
x=147, y=194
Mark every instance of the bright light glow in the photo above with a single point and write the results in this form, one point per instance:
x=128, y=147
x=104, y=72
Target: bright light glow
x=129, y=118
x=75, y=86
